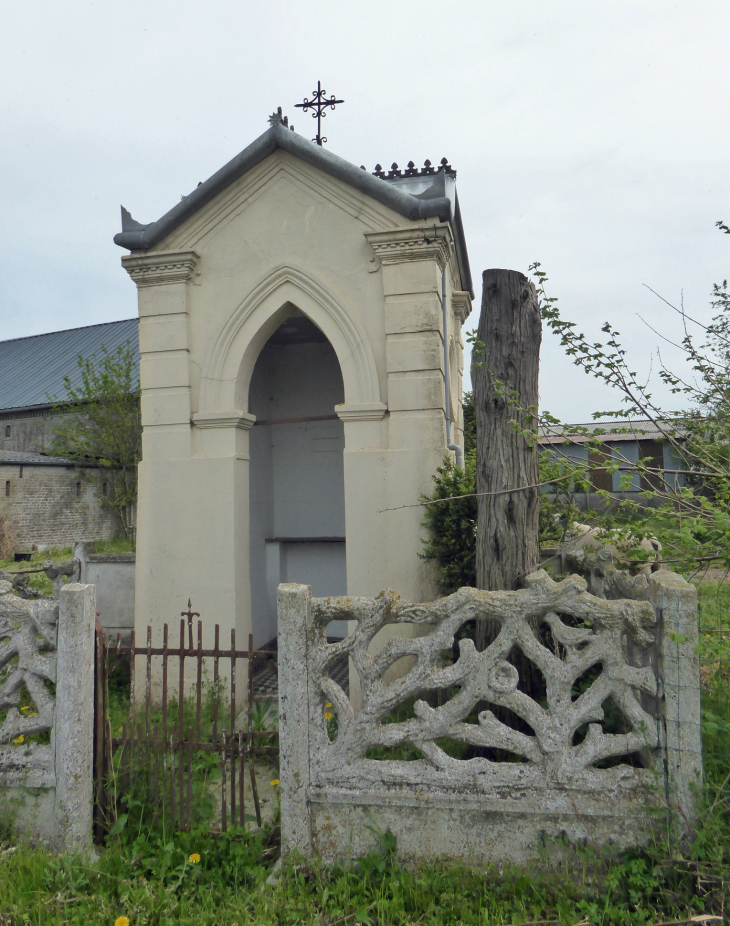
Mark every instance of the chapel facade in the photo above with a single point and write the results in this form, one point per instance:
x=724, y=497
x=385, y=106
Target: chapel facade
x=301, y=373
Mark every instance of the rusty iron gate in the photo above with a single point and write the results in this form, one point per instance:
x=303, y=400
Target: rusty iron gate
x=151, y=744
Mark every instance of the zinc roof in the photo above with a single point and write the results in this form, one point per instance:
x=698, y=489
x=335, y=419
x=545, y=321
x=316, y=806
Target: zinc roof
x=630, y=429
x=33, y=368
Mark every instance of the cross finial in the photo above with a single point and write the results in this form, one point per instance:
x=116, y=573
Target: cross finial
x=190, y=614
x=319, y=103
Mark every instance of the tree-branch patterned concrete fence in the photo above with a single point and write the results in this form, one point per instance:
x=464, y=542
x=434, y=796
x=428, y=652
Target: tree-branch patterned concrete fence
x=47, y=667
x=553, y=766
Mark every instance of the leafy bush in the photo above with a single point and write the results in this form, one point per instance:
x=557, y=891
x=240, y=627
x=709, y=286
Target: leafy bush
x=451, y=509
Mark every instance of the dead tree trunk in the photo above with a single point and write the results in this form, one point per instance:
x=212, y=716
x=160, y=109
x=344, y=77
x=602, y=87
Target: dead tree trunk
x=504, y=377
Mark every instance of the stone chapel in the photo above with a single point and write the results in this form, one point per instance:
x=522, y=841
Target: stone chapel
x=301, y=368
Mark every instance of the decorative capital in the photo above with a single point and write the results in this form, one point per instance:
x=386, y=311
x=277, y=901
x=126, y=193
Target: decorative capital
x=424, y=242
x=461, y=302
x=366, y=411
x=228, y=418
x=160, y=268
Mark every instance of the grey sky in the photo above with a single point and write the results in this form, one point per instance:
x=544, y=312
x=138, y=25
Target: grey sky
x=590, y=136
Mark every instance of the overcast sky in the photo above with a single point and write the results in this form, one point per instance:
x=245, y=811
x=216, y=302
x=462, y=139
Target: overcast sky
x=591, y=136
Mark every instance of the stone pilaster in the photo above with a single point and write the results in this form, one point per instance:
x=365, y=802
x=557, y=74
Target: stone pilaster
x=162, y=282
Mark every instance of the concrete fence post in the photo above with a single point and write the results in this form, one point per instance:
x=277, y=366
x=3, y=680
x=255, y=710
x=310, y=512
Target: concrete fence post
x=294, y=605
x=74, y=717
x=679, y=675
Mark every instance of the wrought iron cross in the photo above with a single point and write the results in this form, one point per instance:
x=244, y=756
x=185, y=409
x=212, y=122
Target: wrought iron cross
x=319, y=103
x=190, y=614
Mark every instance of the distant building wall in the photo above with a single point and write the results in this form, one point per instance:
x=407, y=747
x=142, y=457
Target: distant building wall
x=31, y=431
x=53, y=505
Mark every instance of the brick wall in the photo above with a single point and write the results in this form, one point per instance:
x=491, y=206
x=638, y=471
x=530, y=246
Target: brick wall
x=53, y=505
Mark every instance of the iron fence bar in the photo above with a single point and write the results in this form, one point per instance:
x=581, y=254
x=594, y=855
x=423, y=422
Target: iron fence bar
x=215, y=686
x=209, y=747
x=251, y=764
x=180, y=722
x=223, y=782
x=140, y=754
x=131, y=706
x=233, y=726
x=190, y=777
x=124, y=765
x=148, y=688
x=199, y=680
x=99, y=729
x=193, y=651
x=241, y=770
x=172, y=781
x=157, y=765
x=164, y=684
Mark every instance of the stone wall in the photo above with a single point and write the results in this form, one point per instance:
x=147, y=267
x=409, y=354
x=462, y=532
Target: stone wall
x=112, y=574
x=30, y=431
x=485, y=766
x=53, y=505
x=47, y=691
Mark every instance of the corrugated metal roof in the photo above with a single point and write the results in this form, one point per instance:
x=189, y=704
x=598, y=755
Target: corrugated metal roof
x=630, y=429
x=33, y=368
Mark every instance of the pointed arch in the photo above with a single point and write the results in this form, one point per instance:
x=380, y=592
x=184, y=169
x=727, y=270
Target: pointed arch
x=227, y=375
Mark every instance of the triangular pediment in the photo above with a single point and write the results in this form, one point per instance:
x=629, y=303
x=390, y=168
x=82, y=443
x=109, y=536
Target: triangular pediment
x=279, y=184
x=136, y=236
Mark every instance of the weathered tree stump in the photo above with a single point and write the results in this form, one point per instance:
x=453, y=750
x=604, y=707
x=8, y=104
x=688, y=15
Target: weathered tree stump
x=505, y=381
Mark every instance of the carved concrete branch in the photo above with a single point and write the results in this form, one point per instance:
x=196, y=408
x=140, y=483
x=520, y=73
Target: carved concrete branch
x=588, y=633
x=27, y=660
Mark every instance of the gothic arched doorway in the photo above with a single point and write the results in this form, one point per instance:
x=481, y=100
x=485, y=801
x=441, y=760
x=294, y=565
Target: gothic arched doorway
x=297, y=491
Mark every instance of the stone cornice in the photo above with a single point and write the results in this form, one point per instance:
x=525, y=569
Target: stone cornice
x=161, y=268
x=461, y=302
x=424, y=242
x=228, y=418
x=367, y=411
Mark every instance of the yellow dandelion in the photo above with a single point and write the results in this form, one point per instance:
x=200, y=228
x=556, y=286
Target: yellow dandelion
x=34, y=714
x=25, y=707
x=19, y=740
x=194, y=858
x=274, y=782
x=121, y=921
x=328, y=715
x=328, y=704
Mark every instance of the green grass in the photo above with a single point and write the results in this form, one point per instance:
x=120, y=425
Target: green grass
x=120, y=545
x=41, y=582
x=153, y=879
x=38, y=580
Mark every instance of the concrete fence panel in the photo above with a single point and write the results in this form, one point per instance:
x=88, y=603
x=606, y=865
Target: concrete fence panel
x=459, y=756
x=47, y=715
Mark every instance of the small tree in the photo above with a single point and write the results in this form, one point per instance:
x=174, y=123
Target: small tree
x=101, y=425
x=688, y=511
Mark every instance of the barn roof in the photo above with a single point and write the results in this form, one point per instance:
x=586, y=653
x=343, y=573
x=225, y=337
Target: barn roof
x=33, y=368
x=628, y=429
x=434, y=199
